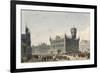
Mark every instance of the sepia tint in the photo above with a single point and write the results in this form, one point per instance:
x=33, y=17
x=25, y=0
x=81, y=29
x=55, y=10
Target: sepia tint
x=54, y=36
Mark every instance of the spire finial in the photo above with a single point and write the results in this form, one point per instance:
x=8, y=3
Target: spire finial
x=26, y=27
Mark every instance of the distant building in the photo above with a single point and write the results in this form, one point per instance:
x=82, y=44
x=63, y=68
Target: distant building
x=26, y=50
x=65, y=44
x=42, y=48
x=85, y=46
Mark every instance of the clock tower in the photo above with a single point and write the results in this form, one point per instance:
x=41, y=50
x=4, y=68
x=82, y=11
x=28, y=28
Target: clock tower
x=73, y=32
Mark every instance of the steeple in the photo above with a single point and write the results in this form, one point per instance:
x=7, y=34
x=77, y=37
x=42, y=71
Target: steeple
x=50, y=39
x=65, y=35
x=28, y=36
x=27, y=30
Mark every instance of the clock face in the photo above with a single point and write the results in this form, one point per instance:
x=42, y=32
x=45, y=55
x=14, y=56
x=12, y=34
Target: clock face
x=72, y=31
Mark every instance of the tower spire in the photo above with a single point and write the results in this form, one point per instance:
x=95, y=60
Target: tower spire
x=50, y=38
x=27, y=30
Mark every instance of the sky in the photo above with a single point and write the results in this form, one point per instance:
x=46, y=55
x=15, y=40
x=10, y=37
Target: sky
x=46, y=24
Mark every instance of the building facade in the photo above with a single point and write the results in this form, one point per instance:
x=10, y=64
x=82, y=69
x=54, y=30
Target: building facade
x=40, y=49
x=26, y=50
x=65, y=44
x=57, y=44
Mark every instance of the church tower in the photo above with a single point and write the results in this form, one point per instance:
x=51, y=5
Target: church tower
x=28, y=39
x=73, y=32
